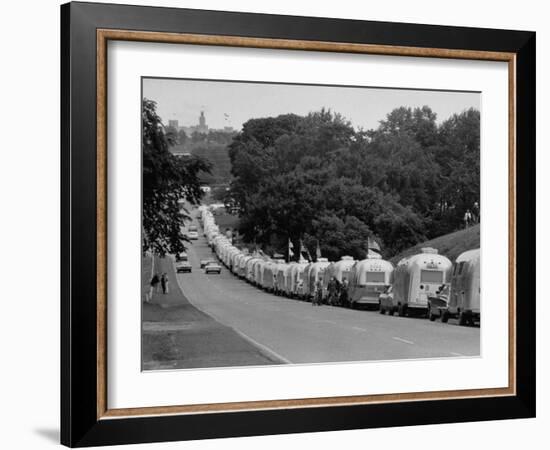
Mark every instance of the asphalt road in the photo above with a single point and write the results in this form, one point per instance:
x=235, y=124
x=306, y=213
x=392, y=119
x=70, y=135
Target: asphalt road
x=176, y=335
x=297, y=332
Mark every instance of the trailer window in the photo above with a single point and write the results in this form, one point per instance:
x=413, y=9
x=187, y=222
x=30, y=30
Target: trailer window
x=375, y=277
x=431, y=276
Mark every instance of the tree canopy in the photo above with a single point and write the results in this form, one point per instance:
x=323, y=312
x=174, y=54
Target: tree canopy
x=317, y=179
x=167, y=179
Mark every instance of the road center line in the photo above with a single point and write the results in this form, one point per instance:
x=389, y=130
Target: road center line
x=358, y=329
x=403, y=340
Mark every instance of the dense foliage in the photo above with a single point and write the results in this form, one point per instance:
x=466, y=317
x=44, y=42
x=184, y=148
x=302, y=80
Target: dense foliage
x=167, y=179
x=211, y=146
x=318, y=180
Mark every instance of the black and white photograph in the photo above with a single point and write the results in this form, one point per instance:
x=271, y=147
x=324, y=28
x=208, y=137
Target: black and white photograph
x=304, y=224
x=276, y=225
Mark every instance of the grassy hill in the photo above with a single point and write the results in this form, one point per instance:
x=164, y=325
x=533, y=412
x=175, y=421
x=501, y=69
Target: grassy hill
x=450, y=245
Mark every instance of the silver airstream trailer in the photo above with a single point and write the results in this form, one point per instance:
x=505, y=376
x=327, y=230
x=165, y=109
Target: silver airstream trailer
x=250, y=270
x=339, y=270
x=464, y=298
x=280, y=273
x=235, y=255
x=212, y=234
x=222, y=250
x=302, y=282
x=312, y=273
x=228, y=256
x=368, y=278
x=255, y=271
x=242, y=265
x=236, y=264
x=236, y=261
x=269, y=278
x=296, y=279
x=269, y=274
x=283, y=279
x=417, y=277
x=259, y=272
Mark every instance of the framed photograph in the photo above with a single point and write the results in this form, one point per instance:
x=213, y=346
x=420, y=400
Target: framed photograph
x=276, y=224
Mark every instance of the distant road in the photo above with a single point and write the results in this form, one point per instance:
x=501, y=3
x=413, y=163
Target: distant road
x=297, y=332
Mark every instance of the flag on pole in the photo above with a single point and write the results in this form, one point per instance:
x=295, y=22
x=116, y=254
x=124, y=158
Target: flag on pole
x=318, y=251
x=304, y=250
x=290, y=247
x=372, y=244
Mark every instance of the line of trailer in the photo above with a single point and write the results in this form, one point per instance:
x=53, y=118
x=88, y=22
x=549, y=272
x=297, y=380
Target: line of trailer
x=426, y=284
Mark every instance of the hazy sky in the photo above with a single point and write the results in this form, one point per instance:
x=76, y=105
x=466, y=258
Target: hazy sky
x=227, y=103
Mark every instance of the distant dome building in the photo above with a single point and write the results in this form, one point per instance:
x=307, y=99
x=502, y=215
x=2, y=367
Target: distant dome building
x=202, y=127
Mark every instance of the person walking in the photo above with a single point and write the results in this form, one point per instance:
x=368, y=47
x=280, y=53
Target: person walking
x=337, y=291
x=467, y=218
x=475, y=209
x=155, y=283
x=153, y=287
x=344, y=299
x=332, y=291
x=318, y=294
x=164, y=283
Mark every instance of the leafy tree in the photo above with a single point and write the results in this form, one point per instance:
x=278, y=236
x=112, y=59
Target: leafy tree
x=197, y=137
x=221, y=136
x=316, y=179
x=249, y=154
x=339, y=237
x=182, y=138
x=400, y=150
x=166, y=180
x=458, y=156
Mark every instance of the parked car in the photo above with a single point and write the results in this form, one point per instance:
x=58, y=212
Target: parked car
x=213, y=268
x=183, y=266
x=386, y=301
x=182, y=257
x=193, y=235
x=204, y=262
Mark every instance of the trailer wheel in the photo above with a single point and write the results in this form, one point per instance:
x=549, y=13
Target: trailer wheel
x=431, y=315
